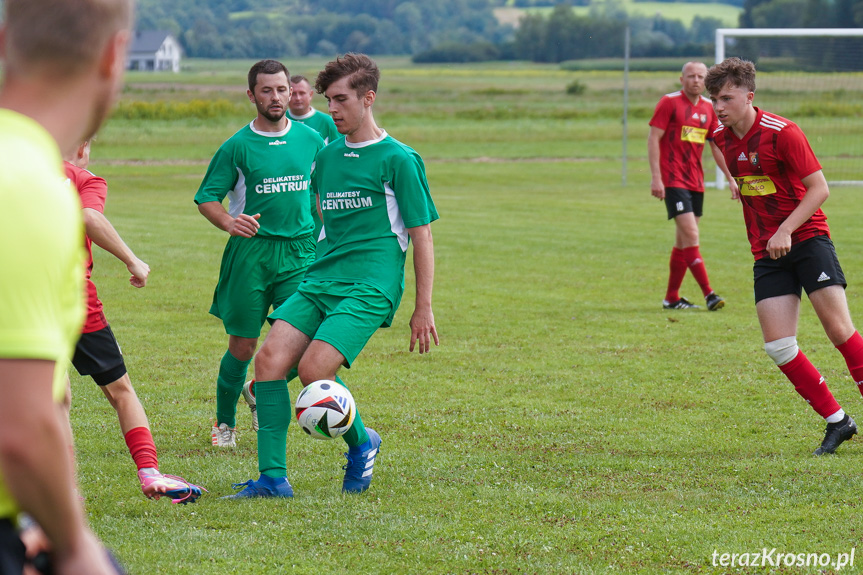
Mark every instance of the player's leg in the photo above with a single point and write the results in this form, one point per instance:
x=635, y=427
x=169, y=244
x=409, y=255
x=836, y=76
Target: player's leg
x=679, y=206
x=142, y=447
x=676, y=205
x=341, y=337
x=777, y=295
x=133, y=421
x=281, y=350
x=686, y=231
x=98, y=355
x=778, y=319
x=122, y=397
x=321, y=361
x=831, y=307
x=233, y=369
x=294, y=258
x=688, y=242
x=241, y=300
x=822, y=268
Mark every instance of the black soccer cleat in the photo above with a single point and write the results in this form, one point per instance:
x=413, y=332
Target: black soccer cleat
x=836, y=433
x=682, y=303
x=714, y=302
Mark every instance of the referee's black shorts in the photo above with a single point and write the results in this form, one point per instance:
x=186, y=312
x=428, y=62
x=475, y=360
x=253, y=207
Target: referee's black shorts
x=98, y=355
x=811, y=265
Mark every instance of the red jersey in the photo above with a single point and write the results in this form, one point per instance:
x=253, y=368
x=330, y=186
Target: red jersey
x=768, y=164
x=687, y=127
x=93, y=191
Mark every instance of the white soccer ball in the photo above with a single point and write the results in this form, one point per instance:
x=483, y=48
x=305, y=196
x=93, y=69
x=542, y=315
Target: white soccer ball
x=325, y=409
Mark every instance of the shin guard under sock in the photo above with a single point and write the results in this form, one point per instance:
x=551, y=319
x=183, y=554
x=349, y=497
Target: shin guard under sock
x=274, y=416
x=696, y=265
x=357, y=434
x=852, y=351
x=229, y=386
x=139, y=440
x=810, y=385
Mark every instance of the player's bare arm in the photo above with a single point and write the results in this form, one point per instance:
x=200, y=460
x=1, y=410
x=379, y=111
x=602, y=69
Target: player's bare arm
x=657, y=188
x=423, y=329
x=817, y=193
x=103, y=234
x=243, y=225
x=720, y=161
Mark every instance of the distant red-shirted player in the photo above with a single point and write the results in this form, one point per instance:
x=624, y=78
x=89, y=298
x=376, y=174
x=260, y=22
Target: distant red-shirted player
x=97, y=353
x=682, y=122
x=782, y=189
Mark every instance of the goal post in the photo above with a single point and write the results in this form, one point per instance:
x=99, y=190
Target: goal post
x=814, y=77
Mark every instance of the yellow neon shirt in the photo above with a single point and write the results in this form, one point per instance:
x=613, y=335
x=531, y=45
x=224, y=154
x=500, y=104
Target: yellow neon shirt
x=42, y=258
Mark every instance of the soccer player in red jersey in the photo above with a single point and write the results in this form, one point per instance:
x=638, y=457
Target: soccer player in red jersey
x=782, y=189
x=97, y=353
x=682, y=122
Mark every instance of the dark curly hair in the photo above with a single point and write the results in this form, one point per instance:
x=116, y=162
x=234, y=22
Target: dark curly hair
x=362, y=70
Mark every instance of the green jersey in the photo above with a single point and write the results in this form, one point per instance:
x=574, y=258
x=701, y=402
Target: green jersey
x=320, y=122
x=266, y=173
x=370, y=193
x=324, y=125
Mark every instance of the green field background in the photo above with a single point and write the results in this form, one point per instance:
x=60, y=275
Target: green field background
x=566, y=423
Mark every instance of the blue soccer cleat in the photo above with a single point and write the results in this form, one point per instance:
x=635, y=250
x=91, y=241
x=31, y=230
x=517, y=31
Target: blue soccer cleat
x=361, y=463
x=265, y=486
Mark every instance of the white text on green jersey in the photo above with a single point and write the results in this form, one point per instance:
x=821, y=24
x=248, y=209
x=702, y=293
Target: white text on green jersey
x=345, y=200
x=294, y=183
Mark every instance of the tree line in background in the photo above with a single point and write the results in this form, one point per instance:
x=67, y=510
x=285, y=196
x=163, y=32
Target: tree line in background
x=564, y=35
x=290, y=28
x=464, y=30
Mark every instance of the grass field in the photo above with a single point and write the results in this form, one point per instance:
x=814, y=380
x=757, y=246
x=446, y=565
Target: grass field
x=566, y=423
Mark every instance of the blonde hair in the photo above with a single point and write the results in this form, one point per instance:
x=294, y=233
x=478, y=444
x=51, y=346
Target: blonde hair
x=65, y=35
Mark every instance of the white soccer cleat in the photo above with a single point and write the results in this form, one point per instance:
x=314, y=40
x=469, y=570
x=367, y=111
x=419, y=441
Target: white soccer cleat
x=224, y=436
x=249, y=396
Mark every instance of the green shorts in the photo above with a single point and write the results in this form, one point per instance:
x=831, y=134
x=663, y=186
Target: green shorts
x=258, y=273
x=343, y=315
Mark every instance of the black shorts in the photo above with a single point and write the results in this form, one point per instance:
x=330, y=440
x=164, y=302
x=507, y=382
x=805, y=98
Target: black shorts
x=811, y=265
x=11, y=548
x=682, y=201
x=98, y=355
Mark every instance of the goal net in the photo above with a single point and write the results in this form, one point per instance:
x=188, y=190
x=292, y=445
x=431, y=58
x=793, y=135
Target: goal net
x=813, y=77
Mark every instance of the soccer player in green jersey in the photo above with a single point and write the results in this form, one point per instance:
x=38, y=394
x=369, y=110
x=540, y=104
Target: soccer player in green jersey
x=62, y=69
x=375, y=199
x=264, y=171
x=300, y=110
